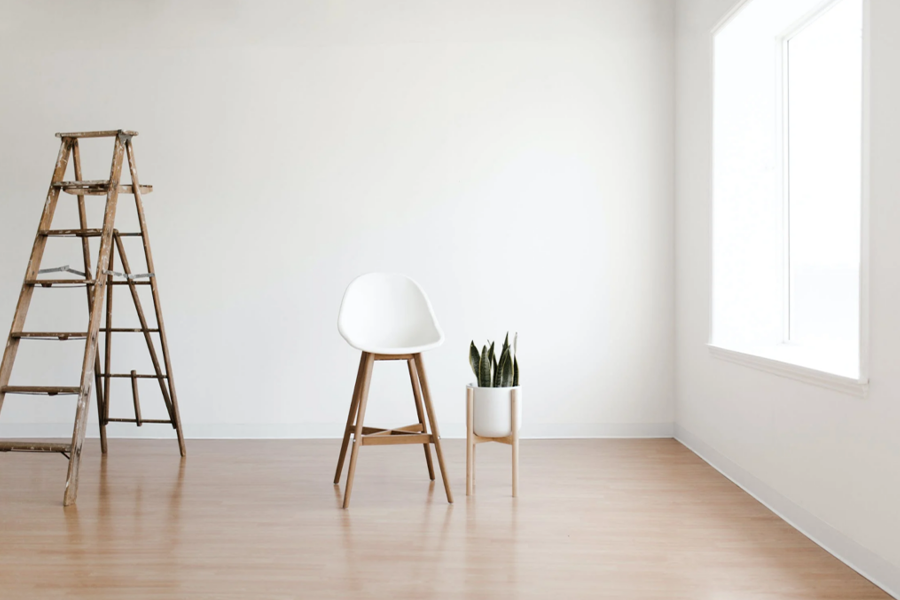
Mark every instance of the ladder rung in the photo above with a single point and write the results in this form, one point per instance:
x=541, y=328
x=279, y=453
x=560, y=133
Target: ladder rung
x=128, y=330
x=66, y=282
x=34, y=447
x=82, y=233
x=96, y=134
x=40, y=390
x=97, y=187
x=159, y=421
x=128, y=376
x=71, y=232
x=77, y=282
x=49, y=335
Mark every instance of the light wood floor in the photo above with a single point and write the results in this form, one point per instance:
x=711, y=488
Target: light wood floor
x=260, y=519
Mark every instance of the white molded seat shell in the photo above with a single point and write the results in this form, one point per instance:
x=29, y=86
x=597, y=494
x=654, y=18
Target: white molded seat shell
x=388, y=313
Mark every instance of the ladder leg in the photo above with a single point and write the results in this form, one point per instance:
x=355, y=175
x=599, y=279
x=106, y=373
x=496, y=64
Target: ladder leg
x=360, y=417
x=107, y=347
x=148, y=338
x=90, y=349
x=34, y=264
x=86, y=256
x=354, y=404
x=435, y=432
x=148, y=255
x=414, y=379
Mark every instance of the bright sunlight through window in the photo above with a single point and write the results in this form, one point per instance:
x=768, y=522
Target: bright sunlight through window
x=787, y=188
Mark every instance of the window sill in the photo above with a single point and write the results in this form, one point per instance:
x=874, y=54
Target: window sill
x=839, y=383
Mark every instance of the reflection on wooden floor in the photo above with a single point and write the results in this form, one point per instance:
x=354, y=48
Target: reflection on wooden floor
x=261, y=519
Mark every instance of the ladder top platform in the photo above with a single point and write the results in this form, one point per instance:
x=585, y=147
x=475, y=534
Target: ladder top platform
x=97, y=134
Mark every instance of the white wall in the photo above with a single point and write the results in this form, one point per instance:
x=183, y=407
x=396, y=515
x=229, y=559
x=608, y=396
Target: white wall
x=828, y=461
x=516, y=158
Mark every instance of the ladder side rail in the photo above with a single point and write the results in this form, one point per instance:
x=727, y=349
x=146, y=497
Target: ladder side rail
x=107, y=342
x=145, y=328
x=86, y=257
x=148, y=255
x=34, y=265
x=90, y=349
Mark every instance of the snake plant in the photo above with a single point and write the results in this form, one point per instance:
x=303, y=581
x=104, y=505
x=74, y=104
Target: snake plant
x=490, y=372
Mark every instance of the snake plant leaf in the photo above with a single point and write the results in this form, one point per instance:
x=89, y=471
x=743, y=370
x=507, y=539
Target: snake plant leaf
x=516, y=370
x=492, y=361
x=484, y=369
x=505, y=344
x=507, y=370
x=496, y=378
x=497, y=368
x=474, y=358
x=504, y=375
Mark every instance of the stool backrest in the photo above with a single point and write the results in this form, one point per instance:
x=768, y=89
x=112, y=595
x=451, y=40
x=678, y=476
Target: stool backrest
x=388, y=313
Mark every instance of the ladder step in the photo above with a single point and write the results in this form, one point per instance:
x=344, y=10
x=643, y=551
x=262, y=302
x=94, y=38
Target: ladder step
x=128, y=376
x=34, y=447
x=40, y=390
x=77, y=282
x=82, y=233
x=157, y=421
x=70, y=335
x=96, y=134
x=97, y=187
x=60, y=282
x=49, y=335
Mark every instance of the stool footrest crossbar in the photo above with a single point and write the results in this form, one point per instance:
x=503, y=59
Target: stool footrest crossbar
x=410, y=434
x=395, y=438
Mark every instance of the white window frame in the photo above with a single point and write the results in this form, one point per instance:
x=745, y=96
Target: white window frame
x=848, y=385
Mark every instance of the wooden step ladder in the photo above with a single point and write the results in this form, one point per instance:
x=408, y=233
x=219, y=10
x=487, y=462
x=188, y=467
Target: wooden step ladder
x=105, y=277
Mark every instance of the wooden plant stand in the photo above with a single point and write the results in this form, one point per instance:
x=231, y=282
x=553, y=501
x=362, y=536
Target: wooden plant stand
x=473, y=440
x=99, y=287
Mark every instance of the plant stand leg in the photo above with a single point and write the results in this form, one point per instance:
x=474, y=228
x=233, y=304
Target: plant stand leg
x=470, y=440
x=514, y=405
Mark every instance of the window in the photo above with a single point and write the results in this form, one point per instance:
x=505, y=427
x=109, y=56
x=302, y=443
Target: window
x=787, y=183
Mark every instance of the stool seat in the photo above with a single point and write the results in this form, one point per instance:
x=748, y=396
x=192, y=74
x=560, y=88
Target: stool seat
x=388, y=313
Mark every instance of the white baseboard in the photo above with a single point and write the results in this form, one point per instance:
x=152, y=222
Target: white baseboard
x=860, y=559
x=327, y=430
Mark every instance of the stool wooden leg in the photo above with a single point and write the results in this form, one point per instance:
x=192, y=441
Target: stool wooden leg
x=514, y=405
x=435, y=432
x=354, y=404
x=414, y=379
x=470, y=440
x=360, y=417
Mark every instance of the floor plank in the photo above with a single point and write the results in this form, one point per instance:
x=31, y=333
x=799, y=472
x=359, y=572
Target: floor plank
x=261, y=519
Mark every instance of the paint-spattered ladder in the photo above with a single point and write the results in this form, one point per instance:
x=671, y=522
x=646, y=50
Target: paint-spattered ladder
x=99, y=288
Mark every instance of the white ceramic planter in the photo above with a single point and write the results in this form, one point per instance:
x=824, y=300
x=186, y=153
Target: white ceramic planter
x=493, y=411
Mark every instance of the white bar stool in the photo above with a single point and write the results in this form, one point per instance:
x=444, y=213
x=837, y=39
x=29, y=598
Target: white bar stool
x=388, y=317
